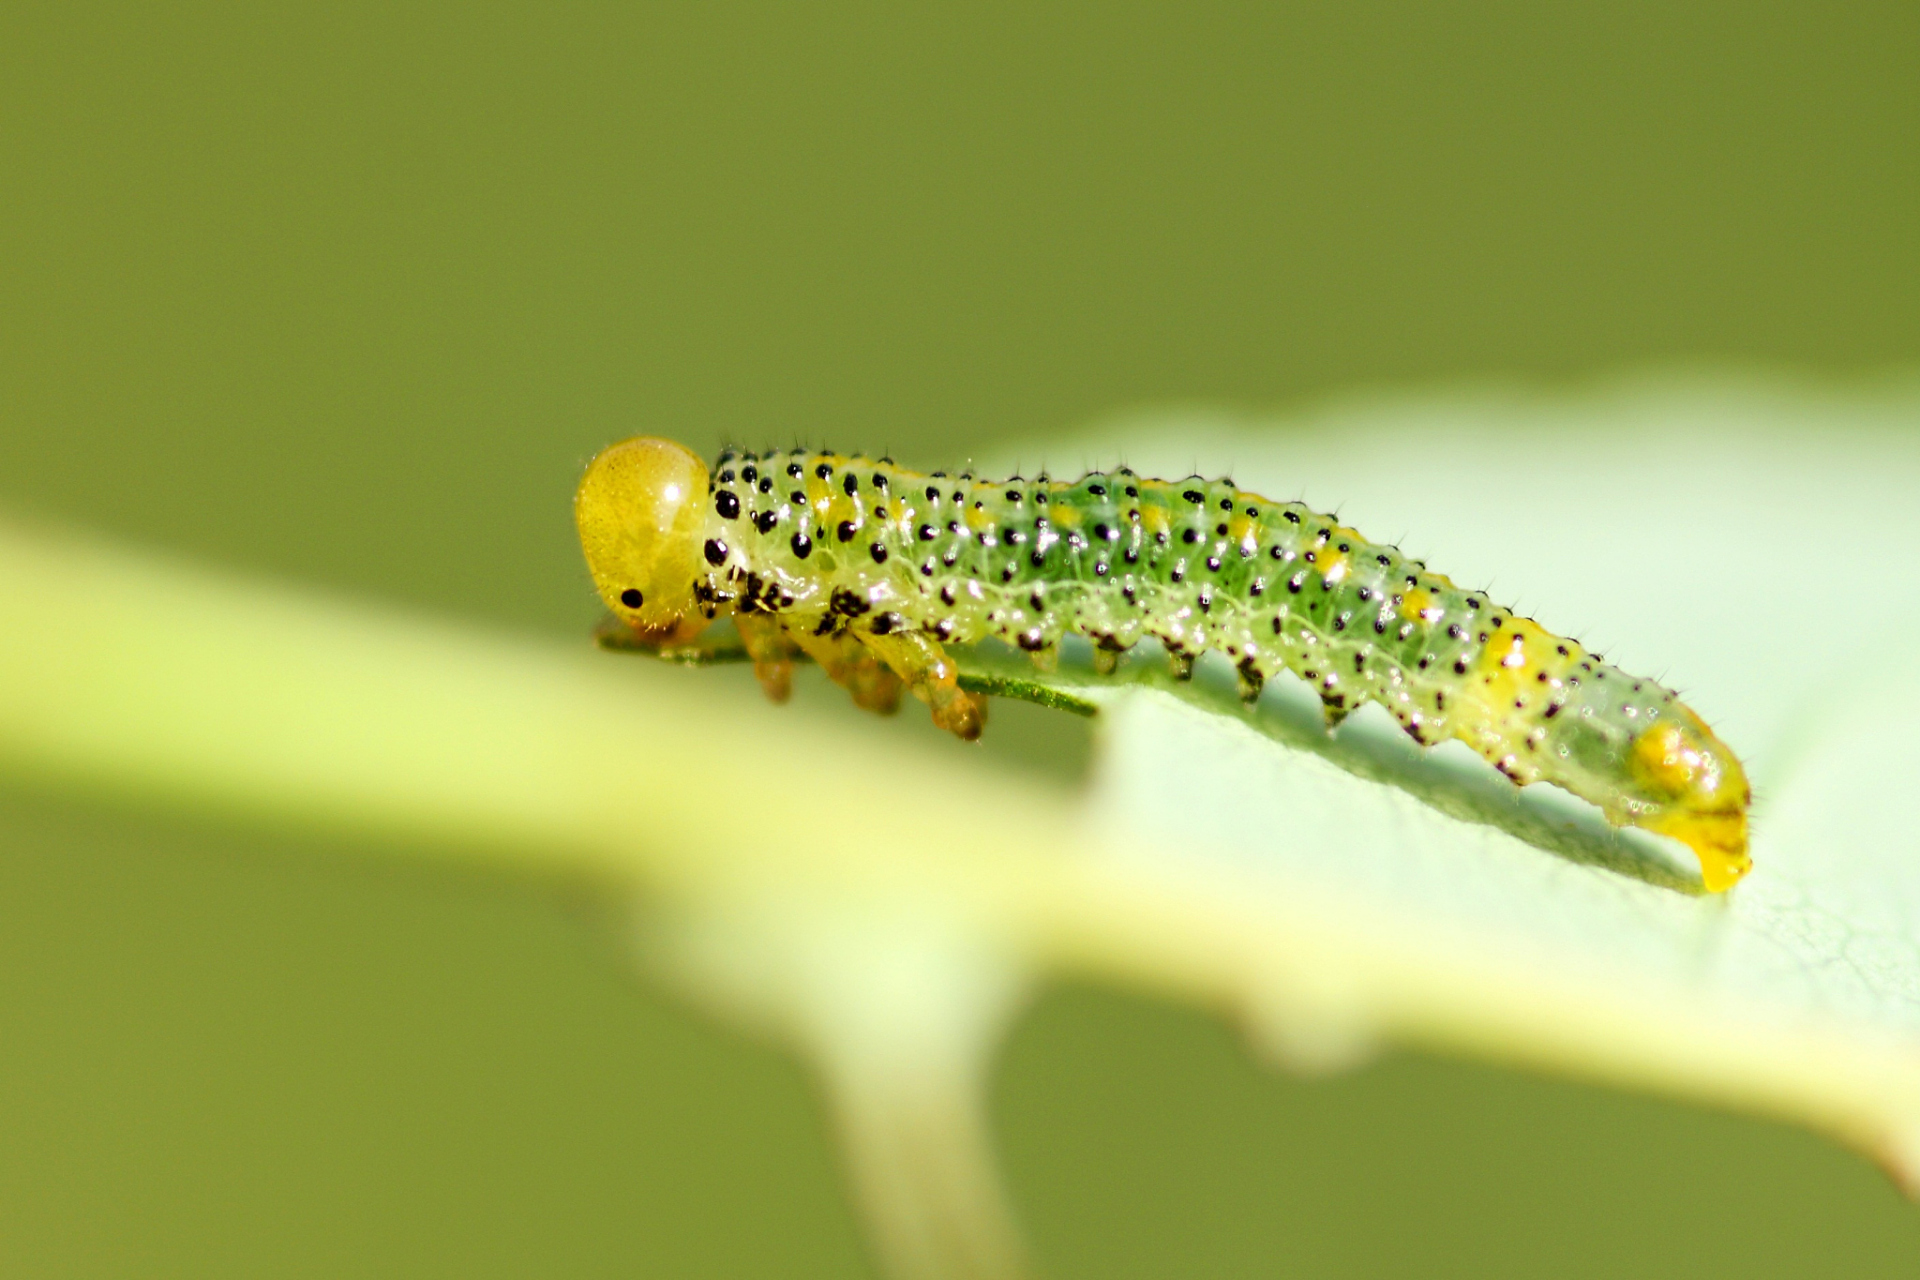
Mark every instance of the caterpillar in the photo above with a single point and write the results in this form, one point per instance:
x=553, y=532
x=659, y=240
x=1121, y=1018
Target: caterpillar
x=871, y=570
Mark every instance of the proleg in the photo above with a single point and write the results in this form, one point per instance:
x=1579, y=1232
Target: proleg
x=873, y=570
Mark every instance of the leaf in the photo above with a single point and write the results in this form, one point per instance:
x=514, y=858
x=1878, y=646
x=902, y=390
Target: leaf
x=1750, y=544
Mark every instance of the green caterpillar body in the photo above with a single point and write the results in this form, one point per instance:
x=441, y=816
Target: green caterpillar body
x=815, y=550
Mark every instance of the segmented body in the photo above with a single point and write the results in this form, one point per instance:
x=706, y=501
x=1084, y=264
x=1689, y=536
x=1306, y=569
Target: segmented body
x=823, y=547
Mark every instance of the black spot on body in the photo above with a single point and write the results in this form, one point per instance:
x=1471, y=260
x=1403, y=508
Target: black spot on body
x=716, y=551
x=632, y=598
x=727, y=503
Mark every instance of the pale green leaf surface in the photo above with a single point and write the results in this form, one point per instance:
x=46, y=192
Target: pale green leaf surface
x=1756, y=551
x=1751, y=546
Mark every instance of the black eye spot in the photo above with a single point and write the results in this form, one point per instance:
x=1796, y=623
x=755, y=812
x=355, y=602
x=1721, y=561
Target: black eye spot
x=766, y=484
x=933, y=494
x=797, y=498
x=749, y=475
x=823, y=470
x=1132, y=492
x=1226, y=504
x=632, y=598
x=793, y=469
x=1194, y=496
x=1013, y=495
x=727, y=503
x=879, y=481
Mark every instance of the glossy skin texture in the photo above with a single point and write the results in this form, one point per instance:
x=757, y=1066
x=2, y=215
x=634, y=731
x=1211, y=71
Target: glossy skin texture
x=871, y=569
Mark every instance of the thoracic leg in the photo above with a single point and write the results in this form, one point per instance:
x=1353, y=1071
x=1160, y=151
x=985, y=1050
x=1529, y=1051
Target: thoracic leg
x=934, y=679
x=771, y=651
x=849, y=665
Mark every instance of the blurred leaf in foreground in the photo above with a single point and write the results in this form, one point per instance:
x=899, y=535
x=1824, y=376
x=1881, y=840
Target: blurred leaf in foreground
x=884, y=912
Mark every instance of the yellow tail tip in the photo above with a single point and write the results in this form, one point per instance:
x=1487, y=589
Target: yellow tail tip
x=1718, y=839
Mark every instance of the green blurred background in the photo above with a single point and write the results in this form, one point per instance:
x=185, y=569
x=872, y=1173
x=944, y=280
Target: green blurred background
x=347, y=293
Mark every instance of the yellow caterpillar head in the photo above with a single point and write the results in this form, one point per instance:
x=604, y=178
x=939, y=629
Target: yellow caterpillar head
x=641, y=508
x=1704, y=790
